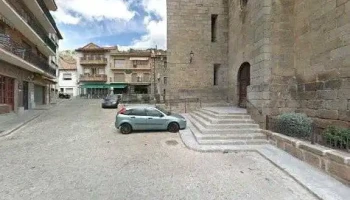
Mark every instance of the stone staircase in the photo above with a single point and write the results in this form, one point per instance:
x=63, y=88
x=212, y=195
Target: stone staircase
x=224, y=126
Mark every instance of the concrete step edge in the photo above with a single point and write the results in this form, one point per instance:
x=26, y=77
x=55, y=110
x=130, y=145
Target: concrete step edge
x=223, y=120
x=223, y=126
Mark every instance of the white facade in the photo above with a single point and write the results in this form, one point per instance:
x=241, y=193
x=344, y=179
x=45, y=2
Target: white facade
x=68, y=82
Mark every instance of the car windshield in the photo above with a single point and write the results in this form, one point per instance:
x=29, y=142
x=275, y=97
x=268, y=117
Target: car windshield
x=111, y=97
x=164, y=110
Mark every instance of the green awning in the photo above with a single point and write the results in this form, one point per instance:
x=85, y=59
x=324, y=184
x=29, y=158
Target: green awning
x=102, y=85
x=118, y=85
x=96, y=85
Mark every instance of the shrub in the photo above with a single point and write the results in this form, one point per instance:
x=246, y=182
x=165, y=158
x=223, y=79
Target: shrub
x=337, y=137
x=294, y=124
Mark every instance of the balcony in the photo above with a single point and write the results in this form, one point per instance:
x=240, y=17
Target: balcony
x=28, y=17
x=93, y=78
x=25, y=56
x=46, y=12
x=131, y=67
x=93, y=61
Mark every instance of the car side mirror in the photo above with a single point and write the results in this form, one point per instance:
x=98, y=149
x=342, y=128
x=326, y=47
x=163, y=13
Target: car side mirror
x=161, y=115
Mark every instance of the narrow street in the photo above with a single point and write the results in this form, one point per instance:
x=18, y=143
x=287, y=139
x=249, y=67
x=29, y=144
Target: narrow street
x=73, y=151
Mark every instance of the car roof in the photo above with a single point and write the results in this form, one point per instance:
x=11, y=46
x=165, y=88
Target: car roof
x=139, y=107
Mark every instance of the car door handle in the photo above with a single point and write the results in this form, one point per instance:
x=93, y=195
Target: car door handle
x=132, y=117
x=150, y=118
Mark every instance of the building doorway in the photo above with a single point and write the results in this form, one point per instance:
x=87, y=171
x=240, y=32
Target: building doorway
x=7, y=91
x=25, y=95
x=243, y=83
x=39, y=95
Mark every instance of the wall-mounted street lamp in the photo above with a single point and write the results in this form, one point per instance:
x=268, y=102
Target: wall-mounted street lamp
x=191, y=56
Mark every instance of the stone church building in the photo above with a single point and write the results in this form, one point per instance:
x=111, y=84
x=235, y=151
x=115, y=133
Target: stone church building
x=271, y=56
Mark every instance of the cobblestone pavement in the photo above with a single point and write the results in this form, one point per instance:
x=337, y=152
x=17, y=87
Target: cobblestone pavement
x=73, y=151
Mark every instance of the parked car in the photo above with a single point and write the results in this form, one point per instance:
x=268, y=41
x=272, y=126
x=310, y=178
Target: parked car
x=110, y=101
x=148, y=118
x=63, y=96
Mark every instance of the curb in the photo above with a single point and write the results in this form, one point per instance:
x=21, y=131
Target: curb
x=190, y=143
x=8, y=132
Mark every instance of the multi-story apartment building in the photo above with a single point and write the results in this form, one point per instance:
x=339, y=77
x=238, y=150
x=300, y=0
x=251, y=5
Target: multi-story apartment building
x=28, y=45
x=105, y=69
x=131, y=71
x=67, y=76
x=92, y=66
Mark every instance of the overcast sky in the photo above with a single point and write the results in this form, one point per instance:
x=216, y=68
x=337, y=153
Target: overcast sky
x=126, y=23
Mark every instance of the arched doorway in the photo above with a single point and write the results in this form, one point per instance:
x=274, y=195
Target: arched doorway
x=243, y=83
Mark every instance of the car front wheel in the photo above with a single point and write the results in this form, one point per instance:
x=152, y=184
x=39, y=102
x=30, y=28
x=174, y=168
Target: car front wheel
x=125, y=128
x=173, y=127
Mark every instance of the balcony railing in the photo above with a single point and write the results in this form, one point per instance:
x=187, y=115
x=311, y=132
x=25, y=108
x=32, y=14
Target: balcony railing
x=22, y=10
x=20, y=51
x=47, y=12
x=93, y=61
x=93, y=77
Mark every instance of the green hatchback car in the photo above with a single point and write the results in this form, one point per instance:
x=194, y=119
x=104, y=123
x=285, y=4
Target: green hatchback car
x=148, y=118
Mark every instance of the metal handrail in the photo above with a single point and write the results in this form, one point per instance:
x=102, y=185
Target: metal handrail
x=7, y=43
x=93, y=59
x=260, y=112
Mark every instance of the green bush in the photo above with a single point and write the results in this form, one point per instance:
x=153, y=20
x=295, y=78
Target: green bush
x=294, y=124
x=337, y=137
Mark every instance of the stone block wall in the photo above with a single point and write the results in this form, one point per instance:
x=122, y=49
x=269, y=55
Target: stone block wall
x=189, y=29
x=333, y=162
x=322, y=51
x=250, y=41
x=298, y=52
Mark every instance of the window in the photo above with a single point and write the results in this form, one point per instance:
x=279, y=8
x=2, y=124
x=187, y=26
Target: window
x=243, y=4
x=2, y=29
x=119, y=63
x=119, y=77
x=165, y=80
x=213, y=27
x=141, y=89
x=165, y=64
x=216, y=73
x=153, y=113
x=67, y=76
x=62, y=89
x=141, y=62
x=134, y=77
x=101, y=71
x=146, y=77
x=138, y=112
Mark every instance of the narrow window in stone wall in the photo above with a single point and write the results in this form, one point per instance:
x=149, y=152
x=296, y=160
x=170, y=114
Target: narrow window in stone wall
x=2, y=29
x=165, y=80
x=213, y=27
x=216, y=74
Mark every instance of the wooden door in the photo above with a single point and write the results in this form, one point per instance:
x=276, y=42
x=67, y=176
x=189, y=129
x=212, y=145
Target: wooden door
x=243, y=83
x=7, y=91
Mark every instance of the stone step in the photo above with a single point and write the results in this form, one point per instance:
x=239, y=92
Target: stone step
x=247, y=136
x=219, y=111
x=205, y=130
x=233, y=142
x=214, y=120
x=234, y=126
x=224, y=116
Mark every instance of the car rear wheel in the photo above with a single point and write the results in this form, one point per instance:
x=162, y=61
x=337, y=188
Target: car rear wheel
x=173, y=127
x=125, y=128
